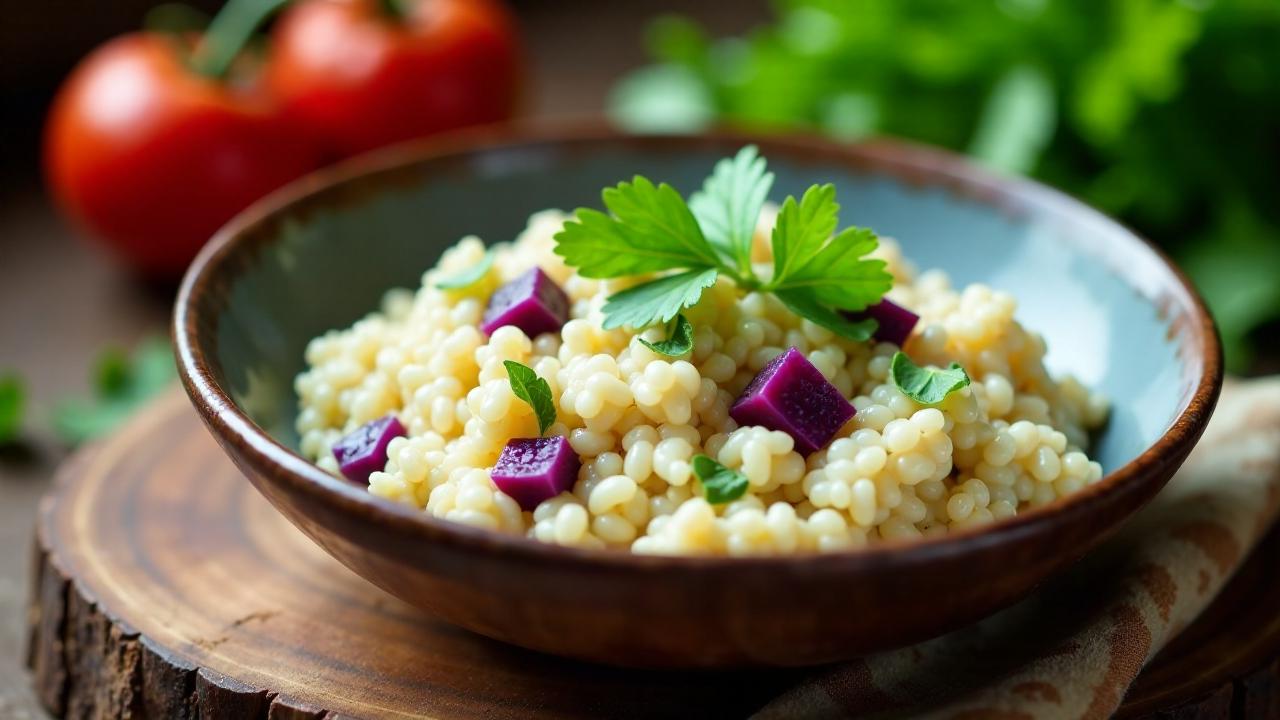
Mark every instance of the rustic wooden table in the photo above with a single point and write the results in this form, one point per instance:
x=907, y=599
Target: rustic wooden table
x=134, y=616
x=61, y=300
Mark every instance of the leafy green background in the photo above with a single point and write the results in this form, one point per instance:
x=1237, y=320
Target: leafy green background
x=1163, y=113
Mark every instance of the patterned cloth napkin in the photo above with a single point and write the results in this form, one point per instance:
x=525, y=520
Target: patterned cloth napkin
x=1072, y=649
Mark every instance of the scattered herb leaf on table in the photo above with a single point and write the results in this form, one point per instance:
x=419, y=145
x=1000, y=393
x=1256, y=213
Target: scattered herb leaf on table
x=12, y=402
x=122, y=384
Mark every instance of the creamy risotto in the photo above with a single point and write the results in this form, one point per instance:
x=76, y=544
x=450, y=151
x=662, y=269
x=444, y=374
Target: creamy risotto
x=424, y=387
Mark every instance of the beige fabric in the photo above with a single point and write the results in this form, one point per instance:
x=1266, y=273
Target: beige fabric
x=1072, y=649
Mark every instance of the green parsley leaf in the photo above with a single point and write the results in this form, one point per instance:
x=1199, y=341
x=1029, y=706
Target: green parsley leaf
x=925, y=385
x=534, y=390
x=657, y=300
x=802, y=229
x=833, y=269
x=839, y=275
x=679, y=341
x=12, y=400
x=801, y=302
x=719, y=483
x=78, y=421
x=121, y=386
x=154, y=368
x=112, y=373
x=729, y=203
x=470, y=276
x=651, y=229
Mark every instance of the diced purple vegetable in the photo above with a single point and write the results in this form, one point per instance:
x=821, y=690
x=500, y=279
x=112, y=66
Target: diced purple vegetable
x=895, y=322
x=791, y=395
x=364, y=451
x=532, y=302
x=531, y=470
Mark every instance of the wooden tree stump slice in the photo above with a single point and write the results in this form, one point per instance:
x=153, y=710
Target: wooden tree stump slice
x=166, y=587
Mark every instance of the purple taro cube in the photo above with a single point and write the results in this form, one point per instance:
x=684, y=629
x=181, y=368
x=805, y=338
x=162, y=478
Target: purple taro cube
x=791, y=395
x=532, y=302
x=894, y=322
x=531, y=470
x=364, y=451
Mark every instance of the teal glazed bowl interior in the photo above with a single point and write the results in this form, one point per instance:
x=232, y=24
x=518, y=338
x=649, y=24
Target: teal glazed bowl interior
x=320, y=254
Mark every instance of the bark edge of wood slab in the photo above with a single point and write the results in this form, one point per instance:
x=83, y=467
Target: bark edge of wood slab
x=140, y=608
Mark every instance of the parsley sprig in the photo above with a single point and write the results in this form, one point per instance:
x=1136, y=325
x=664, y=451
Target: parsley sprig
x=817, y=272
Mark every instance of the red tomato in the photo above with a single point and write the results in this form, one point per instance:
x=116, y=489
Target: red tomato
x=153, y=158
x=361, y=78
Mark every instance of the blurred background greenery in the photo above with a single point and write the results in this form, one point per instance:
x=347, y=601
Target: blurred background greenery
x=1163, y=113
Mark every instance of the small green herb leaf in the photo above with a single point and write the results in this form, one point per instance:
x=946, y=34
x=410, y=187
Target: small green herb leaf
x=470, y=276
x=802, y=302
x=719, y=483
x=925, y=385
x=657, y=300
x=534, y=390
x=834, y=269
x=122, y=385
x=839, y=275
x=78, y=421
x=729, y=203
x=153, y=367
x=12, y=400
x=679, y=341
x=651, y=229
x=112, y=373
x=802, y=229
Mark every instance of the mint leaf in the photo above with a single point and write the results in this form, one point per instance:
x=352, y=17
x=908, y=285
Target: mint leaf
x=802, y=229
x=729, y=203
x=679, y=341
x=651, y=229
x=801, y=302
x=928, y=386
x=12, y=400
x=470, y=276
x=657, y=300
x=719, y=483
x=534, y=390
x=121, y=386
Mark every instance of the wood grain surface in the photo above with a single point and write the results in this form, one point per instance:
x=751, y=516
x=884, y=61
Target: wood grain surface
x=166, y=587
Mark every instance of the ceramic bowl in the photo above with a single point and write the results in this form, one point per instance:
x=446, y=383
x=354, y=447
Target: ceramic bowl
x=319, y=255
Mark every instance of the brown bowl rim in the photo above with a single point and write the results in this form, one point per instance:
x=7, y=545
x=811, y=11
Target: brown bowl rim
x=903, y=161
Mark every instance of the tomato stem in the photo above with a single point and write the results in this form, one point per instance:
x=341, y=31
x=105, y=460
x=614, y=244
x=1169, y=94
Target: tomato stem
x=393, y=9
x=231, y=28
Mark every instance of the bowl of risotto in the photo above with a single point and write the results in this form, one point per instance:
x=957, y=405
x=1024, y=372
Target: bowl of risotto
x=694, y=401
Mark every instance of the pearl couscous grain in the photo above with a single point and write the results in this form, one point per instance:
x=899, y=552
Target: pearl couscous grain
x=1015, y=438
